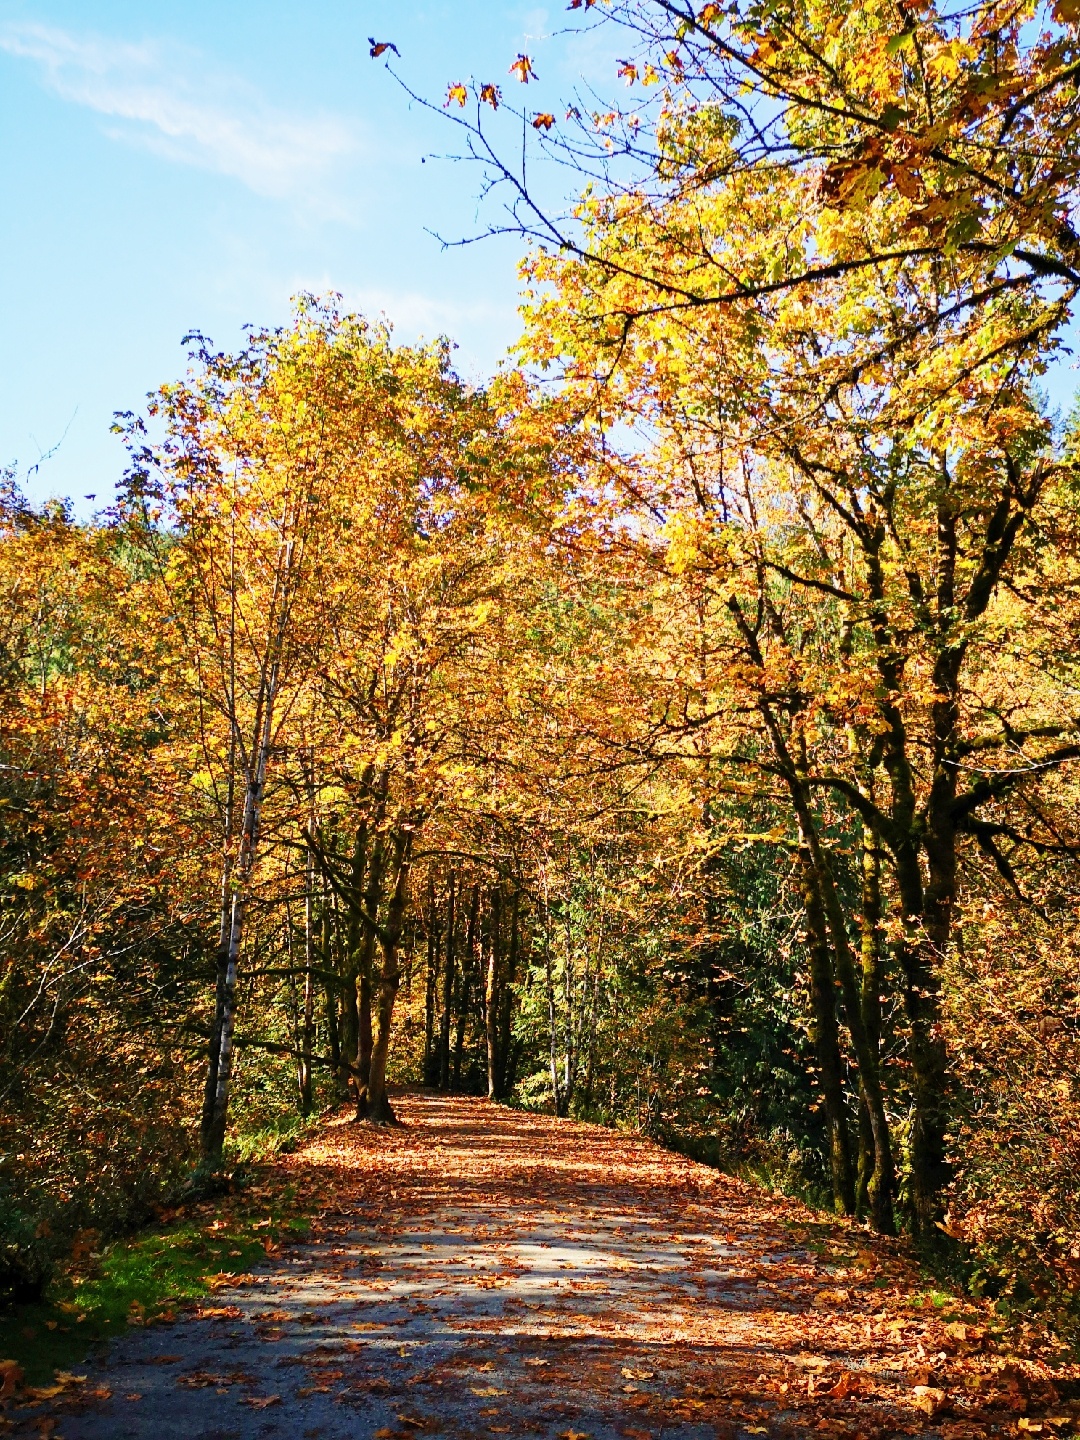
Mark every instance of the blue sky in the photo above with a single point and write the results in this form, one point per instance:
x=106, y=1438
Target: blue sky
x=166, y=168
x=174, y=167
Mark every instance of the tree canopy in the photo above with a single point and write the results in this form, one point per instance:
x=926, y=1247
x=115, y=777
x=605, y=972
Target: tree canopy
x=679, y=730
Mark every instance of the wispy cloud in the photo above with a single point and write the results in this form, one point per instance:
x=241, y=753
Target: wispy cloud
x=165, y=98
x=420, y=314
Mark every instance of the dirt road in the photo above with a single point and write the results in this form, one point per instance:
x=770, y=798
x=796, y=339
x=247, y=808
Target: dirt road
x=479, y=1271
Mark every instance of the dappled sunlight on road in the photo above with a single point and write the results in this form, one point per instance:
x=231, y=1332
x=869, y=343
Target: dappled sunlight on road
x=478, y=1270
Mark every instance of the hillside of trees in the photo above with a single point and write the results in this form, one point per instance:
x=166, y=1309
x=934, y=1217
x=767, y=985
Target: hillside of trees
x=681, y=731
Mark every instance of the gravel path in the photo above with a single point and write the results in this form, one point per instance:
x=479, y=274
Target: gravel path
x=478, y=1271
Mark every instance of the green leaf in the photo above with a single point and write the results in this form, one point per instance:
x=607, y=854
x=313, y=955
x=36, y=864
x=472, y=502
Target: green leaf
x=893, y=115
x=896, y=43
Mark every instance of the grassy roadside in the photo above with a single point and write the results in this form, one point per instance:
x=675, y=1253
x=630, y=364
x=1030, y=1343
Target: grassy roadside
x=144, y=1279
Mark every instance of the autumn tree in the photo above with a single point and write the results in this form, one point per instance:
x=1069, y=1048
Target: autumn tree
x=100, y=891
x=236, y=500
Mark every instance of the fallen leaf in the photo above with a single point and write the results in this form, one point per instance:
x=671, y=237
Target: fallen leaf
x=262, y=1402
x=928, y=1399
x=43, y=1392
x=831, y=1297
x=11, y=1374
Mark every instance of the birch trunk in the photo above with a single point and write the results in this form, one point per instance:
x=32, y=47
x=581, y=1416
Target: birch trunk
x=249, y=842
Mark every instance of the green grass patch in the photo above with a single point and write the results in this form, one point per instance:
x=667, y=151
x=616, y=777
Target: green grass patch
x=143, y=1280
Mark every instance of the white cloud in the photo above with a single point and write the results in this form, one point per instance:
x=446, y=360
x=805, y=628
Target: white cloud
x=419, y=314
x=536, y=24
x=166, y=100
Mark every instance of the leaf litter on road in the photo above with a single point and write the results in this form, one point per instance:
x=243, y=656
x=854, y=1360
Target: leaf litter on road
x=516, y=1274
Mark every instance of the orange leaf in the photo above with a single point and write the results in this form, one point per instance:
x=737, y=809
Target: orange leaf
x=458, y=92
x=928, y=1398
x=906, y=182
x=523, y=68
x=543, y=121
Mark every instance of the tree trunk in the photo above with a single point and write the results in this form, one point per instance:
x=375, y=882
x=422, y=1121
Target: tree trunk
x=447, y=992
x=503, y=1077
x=370, y=904
x=553, y=1024
x=222, y=953
x=826, y=920
x=308, y=1030
x=881, y=1184
x=431, y=1036
x=214, y=1135
x=875, y=1195
x=333, y=1035
x=469, y=964
x=491, y=993
x=824, y=1034
x=210, y=1086
x=377, y=1102
x=917, y=957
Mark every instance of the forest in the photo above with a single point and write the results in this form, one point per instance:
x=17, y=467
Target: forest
x=680, y=731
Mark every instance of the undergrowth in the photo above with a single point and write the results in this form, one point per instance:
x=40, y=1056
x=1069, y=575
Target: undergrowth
x=142, y=1280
